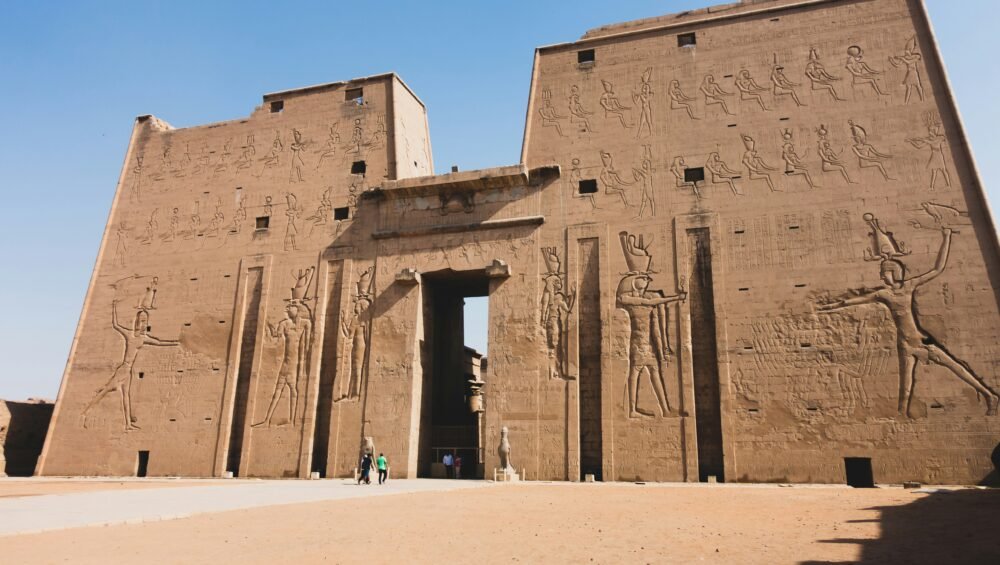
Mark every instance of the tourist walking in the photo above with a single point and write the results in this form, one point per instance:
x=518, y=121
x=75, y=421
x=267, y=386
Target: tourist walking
x=458, y=466
x=449, y=461
x=383, y=468
x=366, y=469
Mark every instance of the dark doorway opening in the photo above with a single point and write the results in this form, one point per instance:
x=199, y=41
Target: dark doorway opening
x=143, y=467
x=589, y=300
x=859, y=472
x=247, y=348
x=448, y=423
x=327, y=371
x=704, y=358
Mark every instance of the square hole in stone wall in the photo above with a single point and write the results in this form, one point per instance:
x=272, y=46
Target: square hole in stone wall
x=356, y=95
x=277, y=106
x=585, y=56
x=588, y=186
x=341, y=213
x=358, y=168
x=686, y=39
x=694, y=174
x=263, y=222
x=859, y=472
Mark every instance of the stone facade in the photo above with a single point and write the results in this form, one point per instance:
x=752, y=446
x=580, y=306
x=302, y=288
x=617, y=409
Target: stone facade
x=746, y=243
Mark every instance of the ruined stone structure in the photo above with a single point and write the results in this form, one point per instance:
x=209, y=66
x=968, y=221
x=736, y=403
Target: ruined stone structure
x=22, y=434
x=745, y=243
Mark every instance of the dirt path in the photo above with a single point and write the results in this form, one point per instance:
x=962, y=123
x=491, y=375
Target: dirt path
x=558, y=523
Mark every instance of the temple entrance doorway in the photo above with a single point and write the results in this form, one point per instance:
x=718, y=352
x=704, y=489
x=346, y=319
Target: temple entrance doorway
x=704, y=354
x=453, y=374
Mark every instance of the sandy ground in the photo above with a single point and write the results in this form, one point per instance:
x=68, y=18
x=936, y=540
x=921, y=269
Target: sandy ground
x=559, y=523
x=10, y=488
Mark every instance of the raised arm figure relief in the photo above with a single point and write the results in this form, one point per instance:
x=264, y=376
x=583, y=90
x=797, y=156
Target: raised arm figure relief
x=914, y=344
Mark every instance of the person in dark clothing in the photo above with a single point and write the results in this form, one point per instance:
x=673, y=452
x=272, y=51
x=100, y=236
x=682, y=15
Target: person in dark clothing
x=366, y=468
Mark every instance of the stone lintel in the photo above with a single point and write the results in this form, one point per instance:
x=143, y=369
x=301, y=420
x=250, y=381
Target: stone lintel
x=443, y=229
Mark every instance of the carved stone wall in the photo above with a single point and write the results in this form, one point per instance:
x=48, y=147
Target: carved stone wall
x=809, y=132
x=743, y=243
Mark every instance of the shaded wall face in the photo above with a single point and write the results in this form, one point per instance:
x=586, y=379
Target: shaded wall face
x=819, y=147
x=213, y=226
x=23, y=426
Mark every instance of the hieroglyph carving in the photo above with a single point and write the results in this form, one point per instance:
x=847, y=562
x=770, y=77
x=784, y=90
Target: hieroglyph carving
x=322, y=214
x=577, y=113
x=357, y=138
x=149, y=233
x=612, y=106
x=829, y=155
x=721, y=173
x=273, y=157
x=555, y=309
x=819, y=77
x=298, y=147
x=679, y=100
x=793, y=162
x=882, y=243
x=248, y=152
x=782, y=86
x=867, y=155
x=549, y=116
x=910, y=59
x=329, y=149
x=612, y=181
x=749, y=89
x=757, y=168
x=239, y=217
x=934, y=142
x=295, y=334
x=644, y=100
x=136, y=337
x=292, y=212
x=861, y=73
x=649, y=339
x=357, y=333
x=644, y=176
x=574, y=178
x=135, y=191
x=914, y=344
x=714, y=94
x=121, y=244
x=943, y=217
x=377, y=138
x=222, y=163
x=677, y=168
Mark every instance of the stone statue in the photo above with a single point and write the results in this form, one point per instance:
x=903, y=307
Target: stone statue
x=367, y=447
x=504, y=452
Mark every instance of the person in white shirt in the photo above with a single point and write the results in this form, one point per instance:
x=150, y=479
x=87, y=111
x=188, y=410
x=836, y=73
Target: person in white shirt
x=448, y=461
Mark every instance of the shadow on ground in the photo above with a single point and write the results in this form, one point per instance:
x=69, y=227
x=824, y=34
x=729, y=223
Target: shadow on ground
x=957, y=526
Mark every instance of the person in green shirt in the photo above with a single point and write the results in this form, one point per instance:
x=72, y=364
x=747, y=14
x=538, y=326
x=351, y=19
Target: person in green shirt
x=383, y=468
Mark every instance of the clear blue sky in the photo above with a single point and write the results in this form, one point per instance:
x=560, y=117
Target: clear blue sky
x=77, y=73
